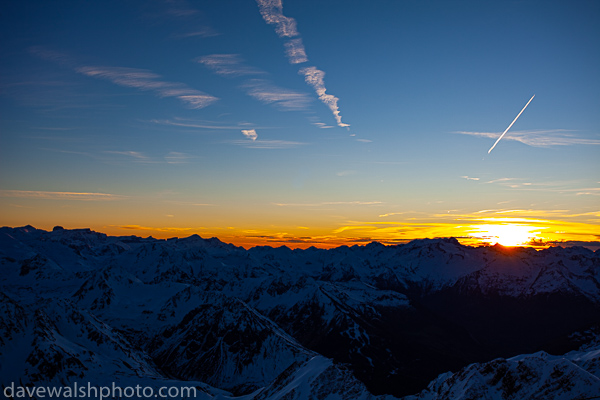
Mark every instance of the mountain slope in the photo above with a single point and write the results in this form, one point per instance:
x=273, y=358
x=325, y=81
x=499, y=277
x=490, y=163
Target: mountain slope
x=272, y=323
x=525, y=377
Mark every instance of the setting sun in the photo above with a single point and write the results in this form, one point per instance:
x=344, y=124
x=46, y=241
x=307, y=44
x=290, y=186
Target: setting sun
x=506, y=234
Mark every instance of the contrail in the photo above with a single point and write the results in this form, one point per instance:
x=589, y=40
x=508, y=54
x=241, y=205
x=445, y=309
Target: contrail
x=511, y=124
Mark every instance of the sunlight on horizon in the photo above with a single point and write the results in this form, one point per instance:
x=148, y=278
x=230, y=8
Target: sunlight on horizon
x=506, y=234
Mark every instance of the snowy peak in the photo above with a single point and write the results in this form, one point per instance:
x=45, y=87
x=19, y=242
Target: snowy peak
x=359, y=322
x=226, y=344
x=526, y=377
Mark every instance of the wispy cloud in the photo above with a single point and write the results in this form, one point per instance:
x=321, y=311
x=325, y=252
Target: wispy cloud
x=531, y=213
x=547, y=224
x=294, y=49
x=189, y=203
x=229, y=65
x=267, y=144
x=470, y=178
x=539, y=138
x=155, y=229
x=294, y=241
x=253, y=143
x=285, y=99
x=134, y=154
x=587, y=191
x=174, y=157
x=140, y=79
x=250, y=134
x=180, y=9
x=203, y=32
x=272, y=13
x=135, y=157
x=391, y=214
x=593, y=245
x=390, y=162
x=322, y=125
x=314, y=77
x=501, y=180
x=53, y=96
x=190, y=21
x=330, y=203
x=47, y=195
x=550, y=226
x=54, y=56
x=195, y=124
x=145, y=80
x=546, y=217
x=576, y=187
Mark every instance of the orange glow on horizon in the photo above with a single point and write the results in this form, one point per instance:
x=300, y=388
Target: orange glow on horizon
x=539, y=229
x=507, y=234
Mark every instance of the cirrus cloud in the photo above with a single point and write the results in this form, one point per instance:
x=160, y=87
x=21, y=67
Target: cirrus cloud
x=539, y=138
x=287, y=100
x=48, y=195
x=145, y=80
x=267, y=144
x=228, y=65
x=136, y=78
x=272, y=13
x=250, y=134
x=294, y=49
x=314, y=77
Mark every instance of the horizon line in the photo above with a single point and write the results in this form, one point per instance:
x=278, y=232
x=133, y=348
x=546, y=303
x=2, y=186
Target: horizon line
x=309, y=242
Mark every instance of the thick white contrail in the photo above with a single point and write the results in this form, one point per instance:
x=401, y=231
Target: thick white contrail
x=511, y=124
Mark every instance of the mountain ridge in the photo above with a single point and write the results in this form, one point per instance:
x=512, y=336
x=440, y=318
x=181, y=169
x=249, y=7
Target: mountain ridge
x=380, y=320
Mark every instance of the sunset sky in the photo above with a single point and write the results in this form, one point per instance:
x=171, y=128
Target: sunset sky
x=321, y=122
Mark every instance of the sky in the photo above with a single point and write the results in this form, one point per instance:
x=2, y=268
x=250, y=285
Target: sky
x=303, y=122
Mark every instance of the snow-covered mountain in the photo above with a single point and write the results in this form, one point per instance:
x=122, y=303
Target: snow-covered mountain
x=525, y=377
x=360, y=322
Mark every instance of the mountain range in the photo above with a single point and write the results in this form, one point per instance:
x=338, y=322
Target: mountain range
x=430, y=319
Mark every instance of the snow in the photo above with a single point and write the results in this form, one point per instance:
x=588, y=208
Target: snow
x=158, y=312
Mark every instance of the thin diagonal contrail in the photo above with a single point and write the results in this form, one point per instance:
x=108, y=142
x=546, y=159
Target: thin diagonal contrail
x=511, y=124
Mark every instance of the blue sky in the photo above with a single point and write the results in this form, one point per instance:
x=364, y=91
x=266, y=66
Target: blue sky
x=311, y=122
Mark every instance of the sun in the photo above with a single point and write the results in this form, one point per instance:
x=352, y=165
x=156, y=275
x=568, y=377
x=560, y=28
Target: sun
x=505, y=234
